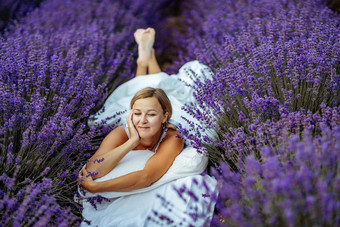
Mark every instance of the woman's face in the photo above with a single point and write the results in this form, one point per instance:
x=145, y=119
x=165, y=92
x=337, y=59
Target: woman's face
x=148, y=116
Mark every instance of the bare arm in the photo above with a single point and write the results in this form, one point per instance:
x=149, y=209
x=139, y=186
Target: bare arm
x=113, y=148
x=154, y=169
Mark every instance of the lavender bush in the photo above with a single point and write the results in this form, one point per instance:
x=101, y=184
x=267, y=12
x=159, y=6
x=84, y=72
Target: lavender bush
x=276, y=82
x=297, y=187
x=203, y=24
x=11, y=10
x=57, y=66
x=277, y=65
x=33, y=204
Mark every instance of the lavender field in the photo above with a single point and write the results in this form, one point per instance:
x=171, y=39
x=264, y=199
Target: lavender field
x=272, y=102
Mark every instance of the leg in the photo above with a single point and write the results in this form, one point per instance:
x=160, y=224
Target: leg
x=153, y=64
x=141, y=69
x=145, y=39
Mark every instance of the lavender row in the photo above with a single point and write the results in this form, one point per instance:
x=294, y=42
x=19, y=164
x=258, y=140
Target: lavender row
x=57, y=67
x=273, y=102
x=297, y=187
x=276, y=65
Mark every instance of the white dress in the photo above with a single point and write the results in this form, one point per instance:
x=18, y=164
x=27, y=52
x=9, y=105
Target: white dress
x=183, y=196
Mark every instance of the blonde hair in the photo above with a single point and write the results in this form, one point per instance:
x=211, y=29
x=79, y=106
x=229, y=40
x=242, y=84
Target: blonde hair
x=162, y=98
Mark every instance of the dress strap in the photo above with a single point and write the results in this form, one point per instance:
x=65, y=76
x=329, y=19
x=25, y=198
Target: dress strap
x=160, y=139
x=126, y=130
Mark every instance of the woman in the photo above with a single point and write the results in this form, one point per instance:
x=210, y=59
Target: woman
x=147, y=124
x=143, y=157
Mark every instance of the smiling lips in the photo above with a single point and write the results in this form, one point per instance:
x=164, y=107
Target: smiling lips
x=143, y=127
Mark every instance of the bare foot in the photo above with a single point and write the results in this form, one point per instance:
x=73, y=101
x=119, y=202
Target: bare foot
x=145, y=40
x=138, y=35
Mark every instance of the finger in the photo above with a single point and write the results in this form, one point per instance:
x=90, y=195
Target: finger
x=84, y=172
x=129, y=118
x=130, y=122
x=80, y=177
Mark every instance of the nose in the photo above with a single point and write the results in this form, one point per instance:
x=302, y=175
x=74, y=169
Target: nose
x=144, y=119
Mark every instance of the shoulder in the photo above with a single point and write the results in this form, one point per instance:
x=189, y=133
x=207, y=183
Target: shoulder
x=173, y=133
x=172, y=141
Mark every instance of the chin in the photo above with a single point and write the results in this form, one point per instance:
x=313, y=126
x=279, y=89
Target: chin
x=143, y=133
x=146, y=134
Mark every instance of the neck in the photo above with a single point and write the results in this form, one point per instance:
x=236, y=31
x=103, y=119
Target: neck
x=150, y=143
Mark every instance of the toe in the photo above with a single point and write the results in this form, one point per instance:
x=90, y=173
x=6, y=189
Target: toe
x=139, y=31
x=152, y=30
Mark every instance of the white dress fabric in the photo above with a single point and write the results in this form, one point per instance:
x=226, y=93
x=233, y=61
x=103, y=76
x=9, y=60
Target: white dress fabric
x=182, y=196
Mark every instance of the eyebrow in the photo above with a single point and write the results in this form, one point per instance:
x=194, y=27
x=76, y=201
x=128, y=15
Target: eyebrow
x=147, y=110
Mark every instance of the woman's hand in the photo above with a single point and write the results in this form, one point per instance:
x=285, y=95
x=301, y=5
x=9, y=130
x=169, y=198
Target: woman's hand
x=134, y=136
x=85, y=180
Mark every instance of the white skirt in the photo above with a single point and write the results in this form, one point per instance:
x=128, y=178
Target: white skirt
x=184, y=197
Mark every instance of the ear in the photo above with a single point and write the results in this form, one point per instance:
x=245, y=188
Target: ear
x=165, y=119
